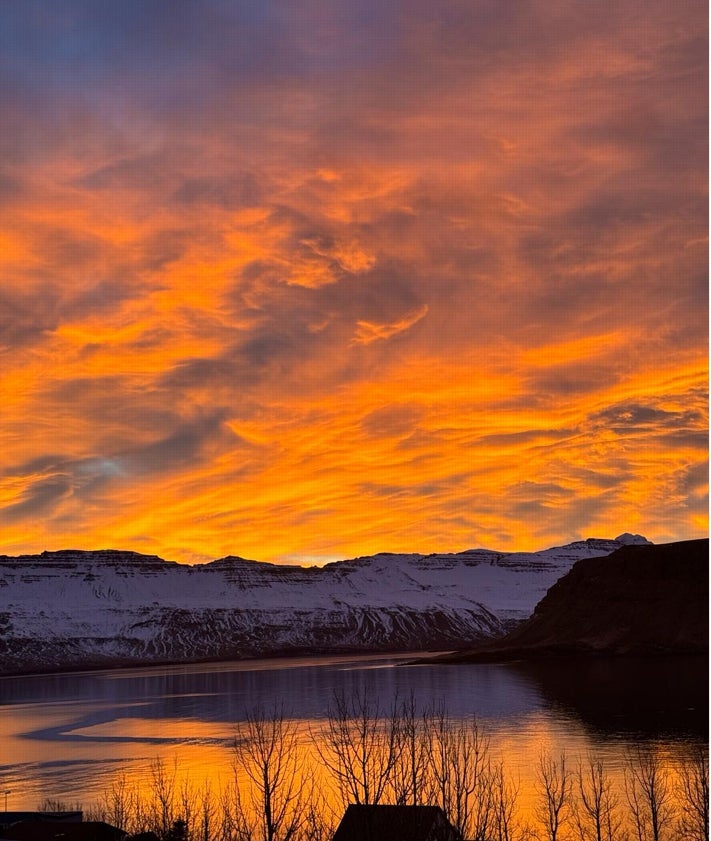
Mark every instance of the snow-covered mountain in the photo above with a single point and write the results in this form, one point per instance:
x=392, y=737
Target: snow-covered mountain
x=71, y=609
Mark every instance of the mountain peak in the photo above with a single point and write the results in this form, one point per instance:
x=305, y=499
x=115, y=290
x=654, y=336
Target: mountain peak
x=633, y=539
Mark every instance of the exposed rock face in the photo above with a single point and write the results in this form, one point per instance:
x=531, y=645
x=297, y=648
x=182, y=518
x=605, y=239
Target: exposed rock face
x=78, y=609
x=638, y=600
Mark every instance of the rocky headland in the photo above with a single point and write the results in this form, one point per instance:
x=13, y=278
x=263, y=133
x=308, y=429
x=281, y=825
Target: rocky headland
x=639, y=600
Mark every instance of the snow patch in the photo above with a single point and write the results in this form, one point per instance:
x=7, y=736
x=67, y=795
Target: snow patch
x=628, y=539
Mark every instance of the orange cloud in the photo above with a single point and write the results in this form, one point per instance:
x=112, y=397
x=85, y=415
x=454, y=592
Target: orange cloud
x=431, y=280
x=368, y=332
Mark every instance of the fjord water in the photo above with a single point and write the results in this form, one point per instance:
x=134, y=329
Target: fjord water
x=67, y=736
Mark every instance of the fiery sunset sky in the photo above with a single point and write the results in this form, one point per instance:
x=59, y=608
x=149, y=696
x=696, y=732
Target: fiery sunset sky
x=306, y=280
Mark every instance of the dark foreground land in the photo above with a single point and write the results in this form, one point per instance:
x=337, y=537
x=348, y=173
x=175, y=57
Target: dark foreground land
x=640, y=600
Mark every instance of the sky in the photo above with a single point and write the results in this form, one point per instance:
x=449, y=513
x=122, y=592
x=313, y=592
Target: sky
x=302, y=281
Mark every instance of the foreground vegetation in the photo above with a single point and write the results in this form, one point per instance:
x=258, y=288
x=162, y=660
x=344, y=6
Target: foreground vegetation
x=287, y=788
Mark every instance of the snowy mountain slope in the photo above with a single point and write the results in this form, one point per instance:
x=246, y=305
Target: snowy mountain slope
x=71, y=609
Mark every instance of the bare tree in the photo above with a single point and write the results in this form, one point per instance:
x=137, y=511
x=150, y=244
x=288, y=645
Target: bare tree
x=693, y=795
x=271, y=786
x=553, y=788
x=504, y=824
x=318, y=821
x=360, y=748
x=230, y=826
x=459, y=769
x=187, y=798
x=203, y=823
x=119, y=805
x=163, y=795
x=595, y=810
x=409, y=775
x=649, y=794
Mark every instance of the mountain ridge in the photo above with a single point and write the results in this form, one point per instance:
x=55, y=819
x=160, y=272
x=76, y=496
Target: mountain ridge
x=84, y=608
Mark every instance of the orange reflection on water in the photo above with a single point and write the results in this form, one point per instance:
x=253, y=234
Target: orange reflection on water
x=196, y=771
x=191, y=764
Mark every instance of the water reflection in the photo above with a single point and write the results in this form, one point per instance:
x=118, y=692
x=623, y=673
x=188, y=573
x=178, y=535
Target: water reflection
x=65, y=736
x=646, y=698
x=226, y=694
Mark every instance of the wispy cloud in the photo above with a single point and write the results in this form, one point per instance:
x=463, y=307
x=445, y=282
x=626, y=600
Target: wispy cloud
x=327, y=278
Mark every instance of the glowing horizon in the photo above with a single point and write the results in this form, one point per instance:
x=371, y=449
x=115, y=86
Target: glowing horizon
x=310, y=282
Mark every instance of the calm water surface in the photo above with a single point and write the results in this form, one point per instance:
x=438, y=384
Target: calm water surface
x=67, y=736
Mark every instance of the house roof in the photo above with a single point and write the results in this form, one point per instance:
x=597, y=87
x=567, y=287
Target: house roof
x=39, y=830
x=395, y=823
x=7, y=818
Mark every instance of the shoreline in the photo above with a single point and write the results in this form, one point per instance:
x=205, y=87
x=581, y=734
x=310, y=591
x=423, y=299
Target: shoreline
x=120, y=665
x=553, y=653
x=448, y=657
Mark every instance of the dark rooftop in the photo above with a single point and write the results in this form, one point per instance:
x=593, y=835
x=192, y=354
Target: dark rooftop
x=395, y=823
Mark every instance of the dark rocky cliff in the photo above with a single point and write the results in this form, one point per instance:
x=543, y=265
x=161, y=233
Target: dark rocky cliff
x=638, y=600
